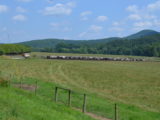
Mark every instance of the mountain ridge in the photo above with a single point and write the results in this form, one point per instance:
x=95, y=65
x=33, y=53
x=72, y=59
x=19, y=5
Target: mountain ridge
x=143, y=33
x=143, y=43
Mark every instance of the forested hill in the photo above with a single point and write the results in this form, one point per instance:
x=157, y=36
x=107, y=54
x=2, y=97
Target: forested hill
x=143, y=33
x=39, y=45
x=143, y=43
x=144, y=46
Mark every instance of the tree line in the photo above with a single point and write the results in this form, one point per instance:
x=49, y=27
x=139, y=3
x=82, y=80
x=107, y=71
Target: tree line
x=145, y=46
x=13, y=49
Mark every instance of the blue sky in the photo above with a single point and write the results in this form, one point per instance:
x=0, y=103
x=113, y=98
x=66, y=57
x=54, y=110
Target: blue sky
x=23, y=20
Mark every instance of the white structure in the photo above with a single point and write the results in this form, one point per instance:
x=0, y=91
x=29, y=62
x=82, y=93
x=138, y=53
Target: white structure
x=26, y=55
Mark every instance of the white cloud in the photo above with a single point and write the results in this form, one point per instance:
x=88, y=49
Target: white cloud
x=71, y=4
x=95, y=28
x=149, y=24
x=146, y=24
x=19, y=17
x=132, y=8
x=67, y=29
x=85, y=15
x=143, y=13
x=134, y=17
x=3, y=29
x=55, y=24
x=3, y=8
x=116, y=23
x=143, y=25
x=145, y=17
x=84, y=18
x=150, y=7
x=82, y=34
x=24, y=0
x=50, y=1
x=150, y=17
x=59, y=9
x=156, y=22
x=142, y=16
x=93, y=31
x=102, y=18
x=154, y=6
x=20, y=9
x=116, y=29
x=60, y=27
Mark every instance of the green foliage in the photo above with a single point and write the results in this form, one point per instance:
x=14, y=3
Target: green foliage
x=144, y=43
x=142, y=33
x=41, y=45
x=4, y=82
x=147, y=46
x=13, y=49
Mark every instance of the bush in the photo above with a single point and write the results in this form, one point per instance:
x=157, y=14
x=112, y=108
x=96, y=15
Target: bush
x=4, y=82
x=13, y=49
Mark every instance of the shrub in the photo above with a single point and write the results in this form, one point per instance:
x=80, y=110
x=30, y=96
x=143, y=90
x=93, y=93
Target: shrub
x=13, y=49
x=4, y=82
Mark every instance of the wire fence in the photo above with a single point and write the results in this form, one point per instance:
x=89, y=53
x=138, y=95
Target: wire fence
x=80, y=101
x=86, y=103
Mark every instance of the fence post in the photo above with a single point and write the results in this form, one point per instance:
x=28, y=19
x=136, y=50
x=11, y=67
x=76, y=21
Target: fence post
x=10, y=80
x=21, y=82
x=84, y=104
x=69, y=98
x=36, y=88
x=115, y=117
x=56, y=91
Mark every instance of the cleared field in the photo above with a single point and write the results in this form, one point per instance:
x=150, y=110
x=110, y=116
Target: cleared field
x=135, y=86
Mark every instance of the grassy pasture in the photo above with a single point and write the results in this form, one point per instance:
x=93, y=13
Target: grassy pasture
x=38, y=54
x=17, y=104
x=135, y=86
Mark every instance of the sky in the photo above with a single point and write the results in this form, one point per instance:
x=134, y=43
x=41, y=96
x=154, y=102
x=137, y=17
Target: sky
x=24, y=20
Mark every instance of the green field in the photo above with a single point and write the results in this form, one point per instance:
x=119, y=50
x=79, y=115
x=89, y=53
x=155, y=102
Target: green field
x=134, y=86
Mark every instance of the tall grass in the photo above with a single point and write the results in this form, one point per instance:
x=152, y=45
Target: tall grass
x=133, y=85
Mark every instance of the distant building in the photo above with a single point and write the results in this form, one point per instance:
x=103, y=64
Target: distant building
x=26, y=55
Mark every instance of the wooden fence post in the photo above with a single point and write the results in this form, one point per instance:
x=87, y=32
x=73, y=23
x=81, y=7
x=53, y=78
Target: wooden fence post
x=115, y=112
x=10, y=80
x=69, y=98
x=56, y=92
x=84, y=104
x=21, y=82
x=36, y=88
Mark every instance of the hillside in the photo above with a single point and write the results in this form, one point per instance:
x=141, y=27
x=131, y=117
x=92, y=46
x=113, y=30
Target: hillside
x=39, y=45
x=16, y=104
x=143, y=33
x=144, y=46
x=143, y=43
